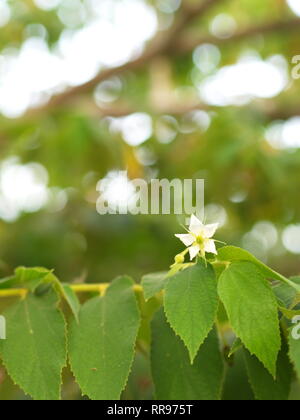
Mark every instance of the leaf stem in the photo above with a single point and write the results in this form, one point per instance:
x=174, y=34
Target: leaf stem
x=290, y=283
x=77, y=288
x=13, y=293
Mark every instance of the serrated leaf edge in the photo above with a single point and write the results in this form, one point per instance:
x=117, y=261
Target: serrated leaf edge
x=90, y=395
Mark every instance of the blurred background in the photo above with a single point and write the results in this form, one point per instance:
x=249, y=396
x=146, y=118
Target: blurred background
x=160, y=89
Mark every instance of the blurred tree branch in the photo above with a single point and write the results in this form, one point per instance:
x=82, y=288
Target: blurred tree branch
x=161, y=44
x=186, y=44
x=118, y=111
x=271, y=113
x=172, y=41
x=283, y=113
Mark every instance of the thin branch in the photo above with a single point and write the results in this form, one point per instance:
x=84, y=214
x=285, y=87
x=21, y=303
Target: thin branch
x=270, y=111
x=103, y=75
x=117, y=111
x=187, y=44
x=196, y=11
x=282, y=113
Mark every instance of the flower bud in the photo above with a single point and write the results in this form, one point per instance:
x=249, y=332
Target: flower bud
x=179, y=259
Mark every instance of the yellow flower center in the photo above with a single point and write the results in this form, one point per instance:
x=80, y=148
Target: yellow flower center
x=200, y=240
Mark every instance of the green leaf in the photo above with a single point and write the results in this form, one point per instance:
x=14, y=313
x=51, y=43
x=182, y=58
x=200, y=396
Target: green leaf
x=237, y=345
x=285, y=294
x=289, y=313
x=263, y=384
x=101, y=346
x=234, y=254
x=39, y=279
x=34, y=352
x=154, y=283
x=294, y=346
x=31, y=278
x=288, y=299
x=8, y=282
x=252, y=310
x=147, y=310
x=191, y=305
x=72, y=300
x=65, y=291
x=174, y=376
x=236, y=384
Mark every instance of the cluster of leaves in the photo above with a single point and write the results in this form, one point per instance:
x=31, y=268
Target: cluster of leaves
x=185, y=338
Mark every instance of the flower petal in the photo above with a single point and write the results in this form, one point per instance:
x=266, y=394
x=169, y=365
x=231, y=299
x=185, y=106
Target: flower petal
x=210, y=230
x=194, y=251
x=196, y=226
x=210, y=246
x=186, y=238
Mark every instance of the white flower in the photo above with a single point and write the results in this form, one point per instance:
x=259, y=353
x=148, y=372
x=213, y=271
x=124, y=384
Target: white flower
x=199, y=239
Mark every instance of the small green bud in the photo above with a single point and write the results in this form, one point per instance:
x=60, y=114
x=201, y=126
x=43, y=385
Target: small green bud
x=179, y=259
